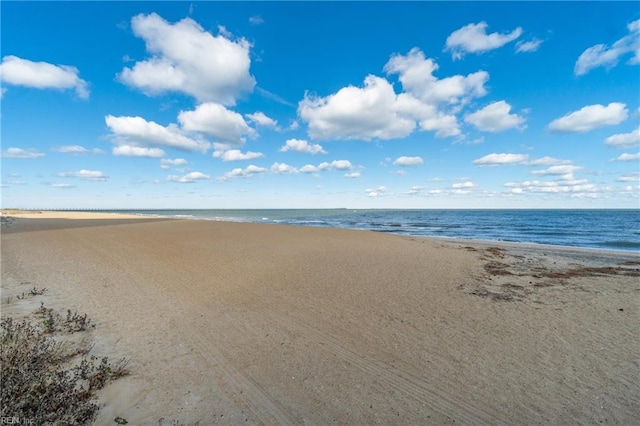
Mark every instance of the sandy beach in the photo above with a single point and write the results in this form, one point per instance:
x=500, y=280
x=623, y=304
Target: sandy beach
x=241, y=323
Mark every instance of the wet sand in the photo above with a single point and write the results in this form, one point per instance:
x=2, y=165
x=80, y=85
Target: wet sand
x=229, y=323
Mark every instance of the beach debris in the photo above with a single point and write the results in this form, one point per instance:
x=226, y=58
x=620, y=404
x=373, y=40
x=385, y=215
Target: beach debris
x=6, y=220
x=507, y=275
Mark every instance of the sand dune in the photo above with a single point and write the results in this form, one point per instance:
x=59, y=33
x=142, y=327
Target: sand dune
x=229, y=323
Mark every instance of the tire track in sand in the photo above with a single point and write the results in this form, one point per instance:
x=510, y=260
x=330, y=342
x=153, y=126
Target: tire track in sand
x=240, y=387
x=404, y=382
x=254, y=397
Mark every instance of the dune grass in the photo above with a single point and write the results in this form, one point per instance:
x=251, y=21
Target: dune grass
x=46, y=378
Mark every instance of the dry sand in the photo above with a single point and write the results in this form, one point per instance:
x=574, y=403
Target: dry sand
x=230, y=323
x=10, y=214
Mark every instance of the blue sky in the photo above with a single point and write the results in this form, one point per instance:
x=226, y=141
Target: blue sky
x=313, y=105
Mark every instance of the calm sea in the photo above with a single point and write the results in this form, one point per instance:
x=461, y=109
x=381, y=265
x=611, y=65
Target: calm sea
x=602, y=229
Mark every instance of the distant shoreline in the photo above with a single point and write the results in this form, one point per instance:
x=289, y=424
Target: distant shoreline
x=103, y=210
x=326, y=218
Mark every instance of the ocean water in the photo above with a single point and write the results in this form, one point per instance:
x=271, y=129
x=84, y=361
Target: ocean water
x=601, y=229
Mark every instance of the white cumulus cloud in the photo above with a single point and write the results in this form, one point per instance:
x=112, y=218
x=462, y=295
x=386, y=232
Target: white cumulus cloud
x=408, y=161
x=137, y=131
x=42, y=75
x=429, y=116
x=72, y=149
x=137, y=151
x=247, y=172
x=356, y=113
x=445, y=125
x=495, y=117
x=528, y=46
x=590, y=117
x=214, y=119
x=547, y=161
x=63, y=185
x=624, y=140
x=473, y=38
x=415, y=190
x=309, y=168
x=415, y=72
x=94, y=175
x=343, y=165
x=558, y=170
x=425, y=96
x=22, y=153
x=302, y=146
x=376, y=192
x=628, y=157
x=601, y=55
x=630, y=177
x=499, y=159
x=560, y=186
x=188, y=178
x=283, y=169
x=565, y=184
x=294, y=125
x=261, y=119
x=464, y=185
x=236, y=155
x=256, y=20
x=186, y=58
x=166, y=163
x=376, y=111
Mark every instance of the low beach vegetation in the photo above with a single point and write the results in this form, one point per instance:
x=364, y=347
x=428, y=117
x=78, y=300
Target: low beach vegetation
x=48, y=377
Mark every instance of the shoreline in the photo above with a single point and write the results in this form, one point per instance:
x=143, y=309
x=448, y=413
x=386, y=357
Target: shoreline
x=533, y=247
x=113, y=214
x=265, y=324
